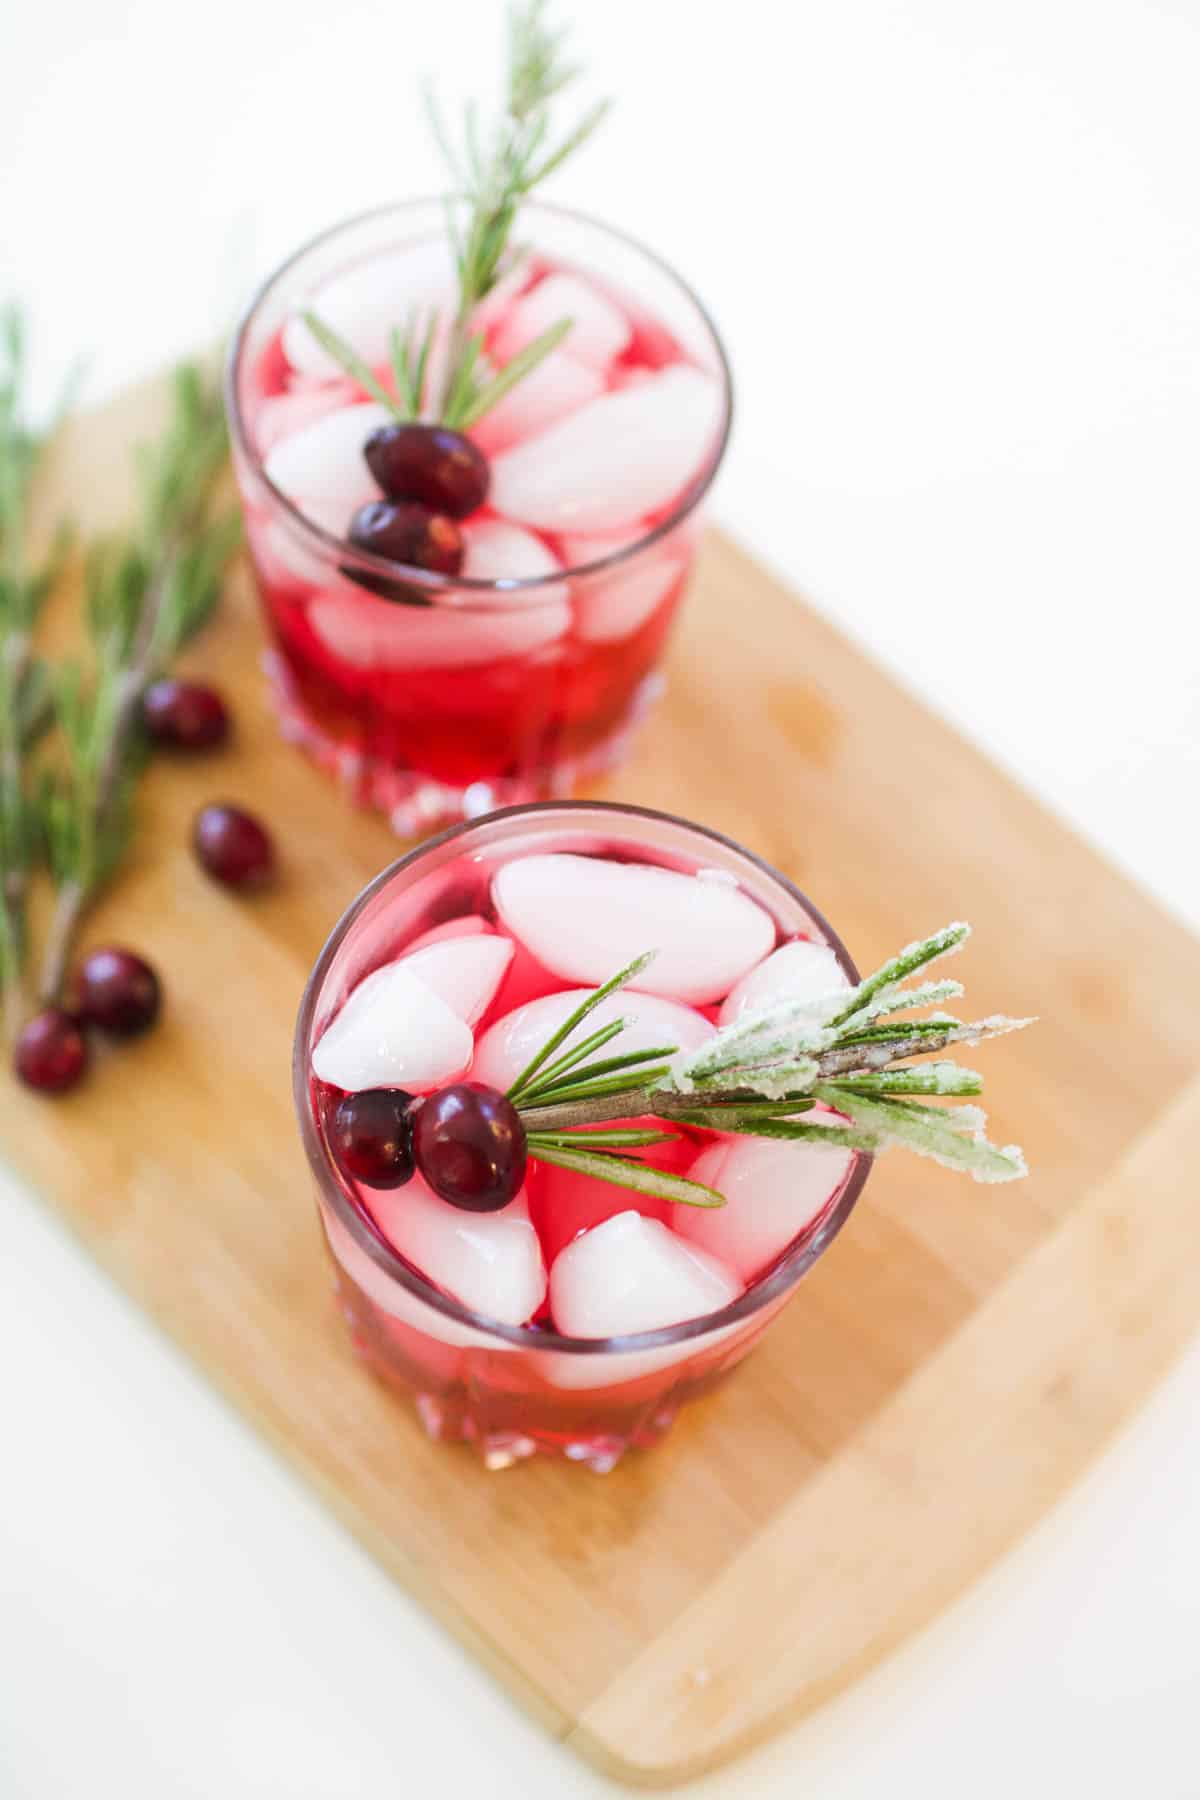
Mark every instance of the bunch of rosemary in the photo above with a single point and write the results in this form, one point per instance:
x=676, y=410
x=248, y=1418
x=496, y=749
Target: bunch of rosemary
x=26, y=702
x=145, y=591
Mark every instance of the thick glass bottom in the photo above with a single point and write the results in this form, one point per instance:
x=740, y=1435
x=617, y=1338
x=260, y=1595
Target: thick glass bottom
x=416, y=803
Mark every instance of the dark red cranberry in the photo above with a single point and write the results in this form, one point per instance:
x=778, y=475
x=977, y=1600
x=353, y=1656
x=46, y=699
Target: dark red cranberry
x=407, y=532
x=185, y=715
x=233, y=846
x=441, y=468
x=117, y=992
x=470, y=1146
x=370, y=1135
x=51, y=1053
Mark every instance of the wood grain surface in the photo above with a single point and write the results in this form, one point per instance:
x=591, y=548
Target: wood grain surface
x=946, y=1370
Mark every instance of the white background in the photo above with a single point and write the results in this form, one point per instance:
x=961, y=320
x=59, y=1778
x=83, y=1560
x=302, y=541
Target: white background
x=956, y=252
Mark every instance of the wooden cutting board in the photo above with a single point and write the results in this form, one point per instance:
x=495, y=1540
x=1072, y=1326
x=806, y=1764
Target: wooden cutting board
x=949, y=1367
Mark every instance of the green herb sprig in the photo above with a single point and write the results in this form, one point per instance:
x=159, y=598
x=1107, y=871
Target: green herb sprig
x=499, y=174
x=25, y=700
x=494, y=172
x=146, y=593
x=761, y=1075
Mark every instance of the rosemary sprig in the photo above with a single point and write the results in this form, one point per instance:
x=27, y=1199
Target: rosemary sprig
x=517, y=158
x=467, y=398
x=495, y=173
x=760, y=1075
x=24, y=684
x=621, y=1171
x=147, y=592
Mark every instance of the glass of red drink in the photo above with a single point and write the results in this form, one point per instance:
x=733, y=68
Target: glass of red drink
x=434, y=696
x=578, y=1318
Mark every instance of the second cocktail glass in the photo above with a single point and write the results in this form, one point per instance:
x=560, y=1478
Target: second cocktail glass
x=444, y=696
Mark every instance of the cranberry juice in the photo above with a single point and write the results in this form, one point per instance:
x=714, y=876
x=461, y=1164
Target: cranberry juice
x=579, y=1316
x=435, y=696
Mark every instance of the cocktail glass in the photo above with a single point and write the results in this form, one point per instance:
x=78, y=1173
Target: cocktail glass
x=438, y=697
x=517, y=1384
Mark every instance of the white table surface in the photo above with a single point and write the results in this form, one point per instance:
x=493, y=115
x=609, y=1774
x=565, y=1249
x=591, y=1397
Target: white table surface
x=956, y=252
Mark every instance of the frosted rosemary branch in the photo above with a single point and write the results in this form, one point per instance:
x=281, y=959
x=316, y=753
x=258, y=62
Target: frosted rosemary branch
x=147, y=592
x=763, y=1075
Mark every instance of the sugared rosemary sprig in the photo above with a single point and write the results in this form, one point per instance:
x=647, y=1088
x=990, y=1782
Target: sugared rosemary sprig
x=147, y=592
x=494, y=171
x=25, y=704
x=762, y=1074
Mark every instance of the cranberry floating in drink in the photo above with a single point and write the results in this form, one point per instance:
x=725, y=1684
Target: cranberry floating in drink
x=586, y=1090
x=472, y=487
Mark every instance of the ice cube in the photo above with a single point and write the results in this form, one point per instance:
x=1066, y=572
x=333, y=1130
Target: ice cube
x=586, y=918
x=499, y=551
x=393, y=1031
x=321, y=467
x=556, y=387
x=467, y=925
x=599, y=329
x=491, y=1262
x=614, y=606
x=399, y=1304
x=526, y=980
x=510, y=1044
x=802, y=970
x=365, y=302
x=563, y=1203
x=628, y=1275
x=490, y=310
x=465, y=972
x=772, y=1190
x=283, y=554
x=613, y=460
x=376, y=634
x=284, y=414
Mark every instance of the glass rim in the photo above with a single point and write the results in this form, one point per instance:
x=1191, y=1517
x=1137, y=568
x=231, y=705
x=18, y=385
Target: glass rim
x=789, y=1269
x=448, y=587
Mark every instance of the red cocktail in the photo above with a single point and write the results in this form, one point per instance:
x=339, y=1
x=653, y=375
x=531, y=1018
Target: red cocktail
x=577, y=1316
x=437, y=694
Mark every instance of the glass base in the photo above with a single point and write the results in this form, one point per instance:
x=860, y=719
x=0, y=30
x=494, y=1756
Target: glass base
x=466, y=1411
x=598, y=1451
x=416, y=804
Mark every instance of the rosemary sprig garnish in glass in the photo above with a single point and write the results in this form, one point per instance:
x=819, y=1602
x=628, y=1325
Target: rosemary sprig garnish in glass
x=147, y=592
x=494, y=172
x=25, y=704
x=762, y=1075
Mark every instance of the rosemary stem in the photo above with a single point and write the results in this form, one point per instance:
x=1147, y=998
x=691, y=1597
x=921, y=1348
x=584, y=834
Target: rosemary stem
x=634, y=1103
x=17, y=653
x=75, y=896
x=666, y=1103
x=68, y=911
x=12, y=895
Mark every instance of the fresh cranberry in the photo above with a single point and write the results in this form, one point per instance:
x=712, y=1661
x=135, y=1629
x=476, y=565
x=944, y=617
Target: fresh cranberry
x=233, y=846
x=470, y=1146
x=51, y=1052
x=441, y=468
x=184, y=715
x=370, y=1135
x=407, y=532
x=117, y=992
